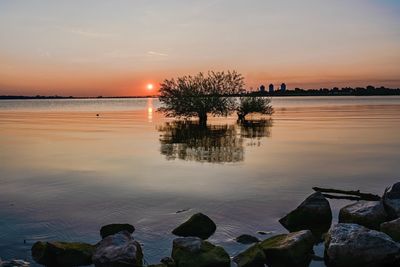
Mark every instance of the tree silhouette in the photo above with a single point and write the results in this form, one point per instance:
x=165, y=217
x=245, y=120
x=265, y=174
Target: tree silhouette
x=199, y=95
x=254, y=104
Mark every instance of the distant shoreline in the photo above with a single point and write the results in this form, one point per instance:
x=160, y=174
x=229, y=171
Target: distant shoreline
x=369, y=91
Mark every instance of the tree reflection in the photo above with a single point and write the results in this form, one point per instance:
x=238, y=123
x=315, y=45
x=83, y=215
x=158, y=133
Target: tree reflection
x=187, y=140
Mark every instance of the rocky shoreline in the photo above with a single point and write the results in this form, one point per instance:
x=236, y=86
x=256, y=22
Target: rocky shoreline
x=367, y=234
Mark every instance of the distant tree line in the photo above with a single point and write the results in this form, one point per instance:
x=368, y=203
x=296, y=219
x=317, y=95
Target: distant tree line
x=357, y=91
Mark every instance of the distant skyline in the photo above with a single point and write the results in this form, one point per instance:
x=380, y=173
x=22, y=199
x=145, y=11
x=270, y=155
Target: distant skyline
x=111, y=48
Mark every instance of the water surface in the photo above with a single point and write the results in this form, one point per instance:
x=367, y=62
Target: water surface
x=65, y=172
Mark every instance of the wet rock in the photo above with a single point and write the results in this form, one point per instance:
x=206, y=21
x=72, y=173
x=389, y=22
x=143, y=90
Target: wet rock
x=392, y=229
x=247, y=239
x=313, y=214
x=252, y=257
x=294, y=249
x=118, y=250
x=14, y=263
x=194, y=252
x=354, y=245
x=198, y=225
x=366, y=213
x=114, y=228
x=62, y=253
x=391, y=201
x=165, y=262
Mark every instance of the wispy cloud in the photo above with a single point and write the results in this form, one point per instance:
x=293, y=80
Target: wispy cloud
x=85, y=32
x=152, y=53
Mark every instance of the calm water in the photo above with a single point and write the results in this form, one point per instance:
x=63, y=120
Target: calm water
x=64, y=172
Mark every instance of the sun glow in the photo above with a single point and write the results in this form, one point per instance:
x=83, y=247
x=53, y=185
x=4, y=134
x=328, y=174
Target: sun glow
x=150, y=86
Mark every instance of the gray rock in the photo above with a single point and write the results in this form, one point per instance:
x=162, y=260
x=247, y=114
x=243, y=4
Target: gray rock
x=62, y=253
x=392, y=229
x=294, y=249
x=366, y=213
x=114, y=228
x=391, y=200
x=194, y=252
x=313, y=214
x=198, y=225
x=118, y=250
x=354, y=245
x=14, y=263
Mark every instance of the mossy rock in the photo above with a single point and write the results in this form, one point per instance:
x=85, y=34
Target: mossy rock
x=198, y=225
x=62, y=254
x=252, y=257
x=294, y=249
x=114, y=228
x=193, y=252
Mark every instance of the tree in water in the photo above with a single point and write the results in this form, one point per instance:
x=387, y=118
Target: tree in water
x=200, y=95
x=253, y=104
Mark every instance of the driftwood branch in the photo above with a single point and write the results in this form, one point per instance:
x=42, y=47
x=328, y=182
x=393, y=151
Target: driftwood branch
x=354, y=195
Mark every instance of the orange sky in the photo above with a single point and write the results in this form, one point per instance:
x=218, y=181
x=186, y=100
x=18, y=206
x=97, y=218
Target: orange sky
x=96, y=48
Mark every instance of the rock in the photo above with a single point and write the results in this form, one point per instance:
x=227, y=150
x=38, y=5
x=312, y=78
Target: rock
x=194, y=252
x=294, y=249
x=114, y=228
x=247, y=239
x=118, y=250
x=14, y=263
x=354, y=245
x=391, y=201
x=366, y=213
x=313, y=214
x=198, y=225
x=165, y=262
x=392, y=229
x=62, y=253
x=252, y=257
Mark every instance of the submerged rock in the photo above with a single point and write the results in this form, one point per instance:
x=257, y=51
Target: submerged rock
x=354, y=245
x=247, y=239
x=391, y=201
x=392, y=229
x=165, y=262
x=62, y=253
x=114, y=228
x=198, y=225
x=313, y=214
x=367, y=213
x=252, y=257
x=294, y=249
x=118, y=250
x=14, y=263
x=194, y=252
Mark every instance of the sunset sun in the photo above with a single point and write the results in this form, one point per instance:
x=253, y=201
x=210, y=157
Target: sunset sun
x=150, y=86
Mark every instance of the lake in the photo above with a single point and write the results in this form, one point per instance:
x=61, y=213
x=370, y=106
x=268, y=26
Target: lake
x=65, y=172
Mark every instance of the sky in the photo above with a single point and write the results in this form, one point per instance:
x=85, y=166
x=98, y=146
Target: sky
x=113, y=48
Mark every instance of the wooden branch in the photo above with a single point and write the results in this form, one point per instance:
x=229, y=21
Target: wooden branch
x=362, y=196
x=341, y=197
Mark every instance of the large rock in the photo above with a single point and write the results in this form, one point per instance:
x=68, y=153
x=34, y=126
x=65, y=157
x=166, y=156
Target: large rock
x=367, y=213
x=392, y=229
x=62, y=253
x=118, y=250
x=356, y=246
x=194, y=252
x=198, y=225
x=114, y=228
x=391, y=200
x=14, y=263
x=294, y=249
x=252, y=257
x=313, y=214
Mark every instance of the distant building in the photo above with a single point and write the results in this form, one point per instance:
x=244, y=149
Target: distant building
x=271, y=88
x=262, y=88
x=283, y=87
